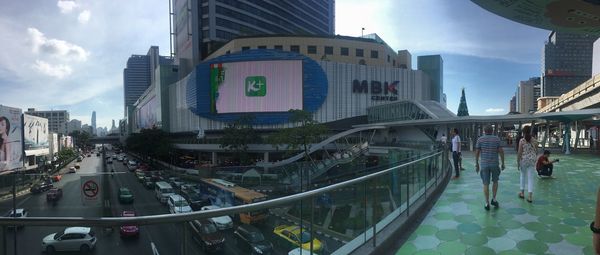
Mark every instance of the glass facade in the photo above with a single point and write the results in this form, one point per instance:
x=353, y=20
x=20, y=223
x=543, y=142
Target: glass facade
x=234, y=18
x=433, y=66
x=566, y=63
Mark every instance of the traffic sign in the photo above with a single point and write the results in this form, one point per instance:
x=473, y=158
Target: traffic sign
x=90, y=190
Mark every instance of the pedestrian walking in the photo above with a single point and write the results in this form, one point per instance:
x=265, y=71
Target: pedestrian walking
x=456, y=152
x=488, y=147
x=526, y=160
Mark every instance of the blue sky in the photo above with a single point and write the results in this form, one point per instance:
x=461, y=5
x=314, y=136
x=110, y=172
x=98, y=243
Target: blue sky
x=71, y=54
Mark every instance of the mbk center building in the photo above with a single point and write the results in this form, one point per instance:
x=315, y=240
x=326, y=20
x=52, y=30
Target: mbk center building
x=336, y=78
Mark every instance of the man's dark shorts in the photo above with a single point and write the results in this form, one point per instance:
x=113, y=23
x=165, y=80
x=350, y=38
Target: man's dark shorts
x=489, y=172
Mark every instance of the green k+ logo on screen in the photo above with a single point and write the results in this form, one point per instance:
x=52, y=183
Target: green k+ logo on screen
x=256, y=86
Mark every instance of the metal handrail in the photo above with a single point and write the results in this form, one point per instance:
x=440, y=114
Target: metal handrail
x=172, y=218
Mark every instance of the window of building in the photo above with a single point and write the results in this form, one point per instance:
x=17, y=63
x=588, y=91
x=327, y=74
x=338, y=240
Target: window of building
x=295, y=48
x=388, y=58
x=344, y=51
x=328, y=50
x=360, y=53
x=374, y=54
x=394, y=62
x=311, y=49
x=245, y=48
x=262, y=47
x=278, y=47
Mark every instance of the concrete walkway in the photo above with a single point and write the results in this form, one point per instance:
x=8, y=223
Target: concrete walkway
x=557, y=222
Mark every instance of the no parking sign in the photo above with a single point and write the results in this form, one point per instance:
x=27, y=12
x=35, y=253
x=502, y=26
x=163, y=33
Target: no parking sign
x=90, y=190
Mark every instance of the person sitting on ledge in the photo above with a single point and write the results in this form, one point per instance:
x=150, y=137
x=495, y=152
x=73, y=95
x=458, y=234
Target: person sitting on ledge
x=544, y=166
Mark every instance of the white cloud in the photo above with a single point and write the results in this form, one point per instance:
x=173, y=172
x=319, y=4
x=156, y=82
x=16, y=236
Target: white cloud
x=494, y=110
x=59, y=71
x=84, y=16
x=55, y=47
x=66, y=6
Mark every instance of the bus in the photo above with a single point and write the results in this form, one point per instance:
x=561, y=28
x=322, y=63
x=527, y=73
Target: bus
x=225, y=194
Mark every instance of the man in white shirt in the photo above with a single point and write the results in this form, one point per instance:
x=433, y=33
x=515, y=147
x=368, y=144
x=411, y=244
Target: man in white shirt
x=456, y=152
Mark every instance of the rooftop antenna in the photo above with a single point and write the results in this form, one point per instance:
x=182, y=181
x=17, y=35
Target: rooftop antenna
x=362, y=32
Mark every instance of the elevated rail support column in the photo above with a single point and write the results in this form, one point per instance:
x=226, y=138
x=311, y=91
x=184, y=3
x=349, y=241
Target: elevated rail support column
x=567, y=138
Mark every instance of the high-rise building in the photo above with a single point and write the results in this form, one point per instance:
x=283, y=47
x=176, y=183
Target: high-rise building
x=526, y=96
x=566, y=62
x=596, y=58
x=73, y=125
x=202, y=26
x=513, y=104
x=57, y=120
x=139, y=73
x=433, y=66
x=93, y=122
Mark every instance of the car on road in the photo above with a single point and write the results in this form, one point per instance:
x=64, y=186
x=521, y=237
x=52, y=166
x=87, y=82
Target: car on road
x=72, y=170
x=54, y=194
x=178, y=204
x=163, y=190
x=56, y=177
x=250, y=239
x=297, y=237
x=79, y=159
x=81, y=239
x=196, y=200
x=41, y=187
x=77, y=166
x=128, y=231
x=149, y=184
x=300, y=251
x=125, y=196
x=98, y=154
x=19, y=213
x=206, y=234
x=222, y=222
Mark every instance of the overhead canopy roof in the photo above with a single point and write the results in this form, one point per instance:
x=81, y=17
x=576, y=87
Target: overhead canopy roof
x=579, y=16
x=525, y=117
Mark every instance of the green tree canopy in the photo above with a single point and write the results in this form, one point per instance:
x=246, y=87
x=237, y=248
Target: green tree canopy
x=237, y=136
x=82, y=139
x=150, y=142
x=299, y=138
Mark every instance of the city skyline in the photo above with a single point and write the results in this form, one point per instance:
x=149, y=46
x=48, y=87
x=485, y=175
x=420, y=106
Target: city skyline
x=477, y=55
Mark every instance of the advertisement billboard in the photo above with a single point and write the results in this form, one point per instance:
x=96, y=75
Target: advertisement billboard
x=147, y=114
x=256, y=86
x=11, y=138
x=35, y=134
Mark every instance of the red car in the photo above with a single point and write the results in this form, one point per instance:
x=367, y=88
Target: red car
x=56, y=178
x=54, y=194
x=129, y=231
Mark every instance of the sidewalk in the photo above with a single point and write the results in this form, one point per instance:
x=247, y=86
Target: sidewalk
x=556, y=223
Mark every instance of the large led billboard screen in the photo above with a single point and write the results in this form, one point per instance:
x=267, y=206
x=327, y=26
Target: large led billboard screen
x=11, y=137
x=35, y=132
x=147, y=114
x=256, y=86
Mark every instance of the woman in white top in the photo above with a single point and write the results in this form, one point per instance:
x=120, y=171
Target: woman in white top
x=526, y=159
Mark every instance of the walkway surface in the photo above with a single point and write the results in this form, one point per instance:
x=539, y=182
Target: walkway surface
x=557, y=222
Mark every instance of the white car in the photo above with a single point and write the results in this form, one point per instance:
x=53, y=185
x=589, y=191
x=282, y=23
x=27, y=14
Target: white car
x=299, y=251
x=178, y=204
x=222, y=222
x=81, y=239
x=21, y=213
x=72, y=170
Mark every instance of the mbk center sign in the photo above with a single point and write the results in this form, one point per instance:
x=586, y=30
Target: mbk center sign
x=379, y=91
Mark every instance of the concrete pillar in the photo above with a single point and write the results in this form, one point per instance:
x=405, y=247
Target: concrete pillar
x=214, y=158
x=266, y=157
x=567, y=138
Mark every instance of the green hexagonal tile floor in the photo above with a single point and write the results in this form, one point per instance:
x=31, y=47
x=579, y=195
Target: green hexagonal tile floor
x=555, y=223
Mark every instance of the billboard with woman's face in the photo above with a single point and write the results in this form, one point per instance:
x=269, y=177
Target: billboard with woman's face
x=11, y=137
